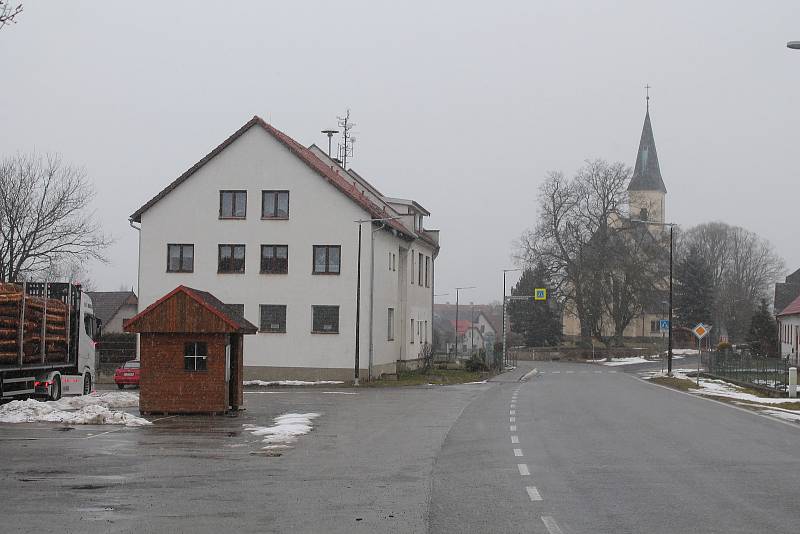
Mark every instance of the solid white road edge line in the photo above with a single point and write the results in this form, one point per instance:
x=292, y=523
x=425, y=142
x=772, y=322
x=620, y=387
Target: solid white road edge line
x=523, y=470
x=533, y=493
x=551, y=525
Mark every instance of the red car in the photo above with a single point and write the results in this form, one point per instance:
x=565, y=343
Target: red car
x=128, y=374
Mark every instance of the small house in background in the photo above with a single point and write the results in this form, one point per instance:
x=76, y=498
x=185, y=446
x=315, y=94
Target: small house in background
x=113, y=308
x=191, y=352
x=789, y=331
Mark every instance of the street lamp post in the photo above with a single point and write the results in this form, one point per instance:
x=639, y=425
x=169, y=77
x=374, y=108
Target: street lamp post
x=671, y=235
x=371, y=296
x=505, y=361
x=456, y=329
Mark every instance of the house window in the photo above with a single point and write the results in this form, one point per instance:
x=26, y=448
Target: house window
x=419, y=269
x=426, y=331
x=412, y=330
x=273, y=318
x=325, y=319
x=327, y=259
x=394, y=261
x=232, y=204
x=275, y=204
x=237, y=309
x=643, y=214
x=427, y=271
x=231, y=259
x=180, y=258
x=274, y=259
x=390, y=325
x=195, y=356
x=655, y=326
x=412, y=267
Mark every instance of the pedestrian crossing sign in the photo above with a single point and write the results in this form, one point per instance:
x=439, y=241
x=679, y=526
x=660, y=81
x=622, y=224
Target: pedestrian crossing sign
x=540, y=293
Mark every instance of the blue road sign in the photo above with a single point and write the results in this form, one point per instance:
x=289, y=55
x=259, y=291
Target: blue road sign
x=664, y=325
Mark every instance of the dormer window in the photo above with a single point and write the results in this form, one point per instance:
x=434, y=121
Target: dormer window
x=643, y=214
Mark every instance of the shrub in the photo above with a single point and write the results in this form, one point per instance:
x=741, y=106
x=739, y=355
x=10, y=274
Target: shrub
x=724, y=346
x=477, y=362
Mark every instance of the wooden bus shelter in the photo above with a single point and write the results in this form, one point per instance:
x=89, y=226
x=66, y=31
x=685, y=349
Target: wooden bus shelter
x=191, y=352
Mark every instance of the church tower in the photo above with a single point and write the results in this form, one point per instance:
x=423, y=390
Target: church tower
x=646, y=191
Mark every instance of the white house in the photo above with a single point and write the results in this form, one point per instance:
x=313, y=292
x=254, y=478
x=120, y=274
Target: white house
x=269, y=226
x=789, y=331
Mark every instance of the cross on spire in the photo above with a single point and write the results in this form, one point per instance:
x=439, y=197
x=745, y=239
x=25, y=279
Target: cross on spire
x=647, y=97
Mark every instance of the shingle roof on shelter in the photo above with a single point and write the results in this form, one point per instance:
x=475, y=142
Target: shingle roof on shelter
x=106, y=304
x=226, y=314
x=646, y=171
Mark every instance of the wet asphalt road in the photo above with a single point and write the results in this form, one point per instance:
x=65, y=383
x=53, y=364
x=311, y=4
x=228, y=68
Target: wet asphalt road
x=597, y=450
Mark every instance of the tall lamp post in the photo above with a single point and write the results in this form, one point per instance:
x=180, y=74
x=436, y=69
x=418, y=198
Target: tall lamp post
x=457, y=290
x=671, y=235
x=505, y=361
x=371, y=296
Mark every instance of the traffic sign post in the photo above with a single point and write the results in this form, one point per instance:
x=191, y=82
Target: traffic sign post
x=700, y=331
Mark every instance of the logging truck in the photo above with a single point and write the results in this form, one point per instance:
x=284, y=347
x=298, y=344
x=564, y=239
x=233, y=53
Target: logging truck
x=48, y=333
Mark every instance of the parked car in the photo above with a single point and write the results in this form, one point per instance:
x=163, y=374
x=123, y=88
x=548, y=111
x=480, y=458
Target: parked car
x=128, y=374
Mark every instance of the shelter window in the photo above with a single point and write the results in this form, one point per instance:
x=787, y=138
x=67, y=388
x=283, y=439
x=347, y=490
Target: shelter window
x=195, y=356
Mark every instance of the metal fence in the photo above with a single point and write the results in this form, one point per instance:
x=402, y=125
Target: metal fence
x=771, y=373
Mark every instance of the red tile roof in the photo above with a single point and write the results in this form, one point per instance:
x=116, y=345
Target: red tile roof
x=463, y=325
x=792, y=309
x=306, y=156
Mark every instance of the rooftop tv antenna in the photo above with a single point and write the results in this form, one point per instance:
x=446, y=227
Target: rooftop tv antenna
x=329, y=133
x=346, y=146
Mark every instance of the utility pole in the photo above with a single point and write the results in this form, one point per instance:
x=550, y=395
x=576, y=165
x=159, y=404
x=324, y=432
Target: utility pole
x=456, y=329
x=505, y=360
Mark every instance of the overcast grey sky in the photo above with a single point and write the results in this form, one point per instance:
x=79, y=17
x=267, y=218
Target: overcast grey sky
x=462, y=106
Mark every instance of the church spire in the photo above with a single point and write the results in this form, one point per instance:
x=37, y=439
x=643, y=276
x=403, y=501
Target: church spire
x=646, y=171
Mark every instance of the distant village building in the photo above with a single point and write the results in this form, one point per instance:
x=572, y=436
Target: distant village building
x=789, y=331
x=113, y=308
x=647, y=201
x=479, y=326
x=269, y=226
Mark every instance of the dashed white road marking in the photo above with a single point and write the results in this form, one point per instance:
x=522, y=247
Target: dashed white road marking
x=555, y=372
x=514, y=439
x=570, y=372
x=533, y=493
x=512, y=428
x=551, y=525
x=523, y=470
x=517, y=452
x=512, y=412
x=584, y=372
x=513, y=405
x=598, y=372
x=512, y=419
x=612, y=372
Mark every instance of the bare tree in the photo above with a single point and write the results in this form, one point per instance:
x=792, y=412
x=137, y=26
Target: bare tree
x=45, y=220
x=579, y=238
x=743, y=267
x=8, y=13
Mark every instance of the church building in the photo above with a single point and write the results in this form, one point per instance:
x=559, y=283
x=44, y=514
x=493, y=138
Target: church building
x=646, y=202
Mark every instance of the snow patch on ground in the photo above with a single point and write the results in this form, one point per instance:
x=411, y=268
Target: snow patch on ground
x=287, y=429
x=83, y=410
x=784, y=414
x=639, y=359
x=290, y=383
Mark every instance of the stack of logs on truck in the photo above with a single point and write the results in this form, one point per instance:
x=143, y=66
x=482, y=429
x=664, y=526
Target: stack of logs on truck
x=47, y=337
x=39, y=327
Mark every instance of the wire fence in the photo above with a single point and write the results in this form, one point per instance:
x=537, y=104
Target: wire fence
x=771, y=373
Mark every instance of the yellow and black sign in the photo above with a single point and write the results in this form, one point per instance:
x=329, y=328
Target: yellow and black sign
x=540, y=293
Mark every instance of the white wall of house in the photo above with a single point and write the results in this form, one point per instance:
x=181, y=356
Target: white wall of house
x=789, y=334
x=114, y=326
x=319, y=214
